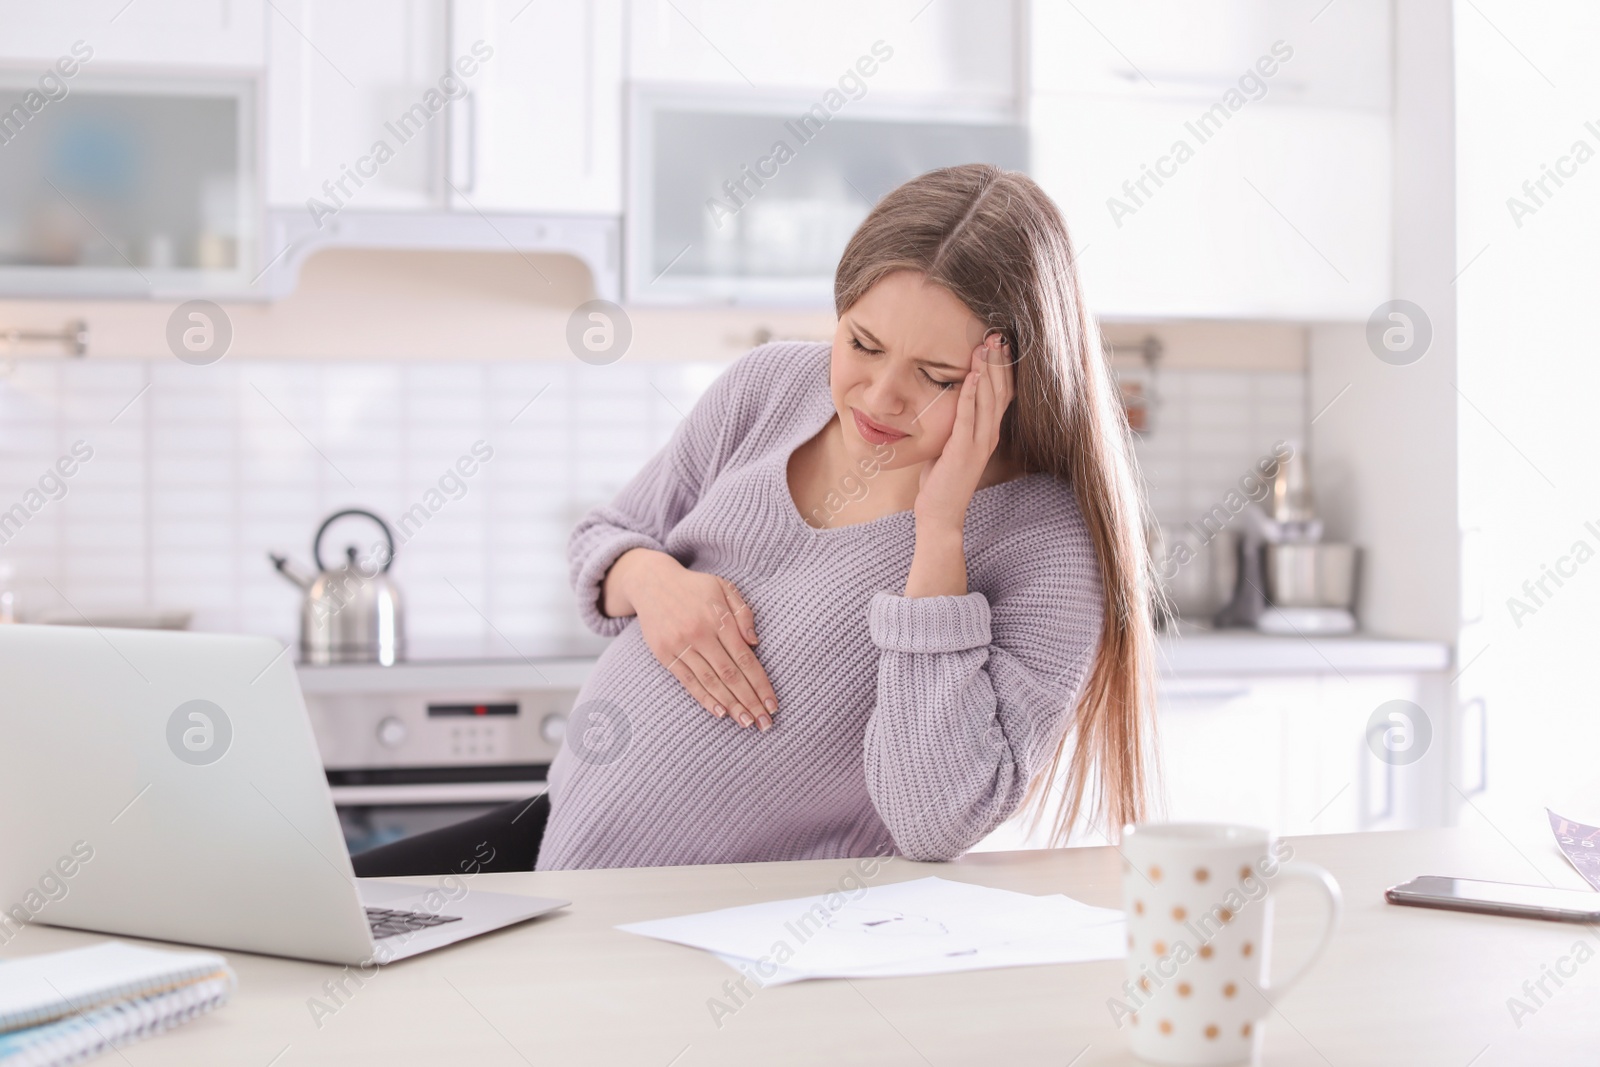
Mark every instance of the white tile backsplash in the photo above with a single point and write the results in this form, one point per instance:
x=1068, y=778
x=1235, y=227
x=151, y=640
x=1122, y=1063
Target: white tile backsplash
x=207, y=469
x=1209, y=428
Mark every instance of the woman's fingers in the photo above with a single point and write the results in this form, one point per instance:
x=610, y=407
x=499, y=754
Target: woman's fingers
x=680, y=670
x=740, y=611
x=964, y=430
x=1007, y=376
x=722, y=677
x=749, y=683
x=721, y=696
x=718, y=683
x=702, y=632
x=744, y=675
x=984, y=402
x=996, y=395
x=749, y=710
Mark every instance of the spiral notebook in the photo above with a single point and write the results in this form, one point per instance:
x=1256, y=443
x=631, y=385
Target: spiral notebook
x=63, y=1007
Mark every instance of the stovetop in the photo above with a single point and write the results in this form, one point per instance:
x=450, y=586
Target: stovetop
x=448, y=666
x=495, y=650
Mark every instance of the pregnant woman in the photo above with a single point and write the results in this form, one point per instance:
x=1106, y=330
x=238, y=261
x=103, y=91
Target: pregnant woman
x=874, y=594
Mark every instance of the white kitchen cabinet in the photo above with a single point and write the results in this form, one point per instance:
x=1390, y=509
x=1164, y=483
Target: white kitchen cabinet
x=172, y=34
x=1342, y=783
x=455, y=124
x=472, y=106
x=1279, y=213
x=960, y=54
x=1225, y=159
x=356, y=117
x=1221, y=742
x=541, y=129
x=1291, y=752
x=1339, y=53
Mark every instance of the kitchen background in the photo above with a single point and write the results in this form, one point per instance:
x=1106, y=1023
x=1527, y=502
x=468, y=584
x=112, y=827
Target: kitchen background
x=1290, y=217
x=199, y=473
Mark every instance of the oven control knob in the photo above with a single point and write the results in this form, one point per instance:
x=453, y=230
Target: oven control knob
x=391, y=732
x=553, y=727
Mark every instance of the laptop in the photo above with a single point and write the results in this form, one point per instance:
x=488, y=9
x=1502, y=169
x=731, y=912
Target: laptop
x=167, y=785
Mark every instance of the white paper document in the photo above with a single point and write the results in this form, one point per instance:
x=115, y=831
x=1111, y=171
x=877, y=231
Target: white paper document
x=926, y=926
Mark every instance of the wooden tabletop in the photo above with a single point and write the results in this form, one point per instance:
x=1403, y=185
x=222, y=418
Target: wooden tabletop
x=1398, y=985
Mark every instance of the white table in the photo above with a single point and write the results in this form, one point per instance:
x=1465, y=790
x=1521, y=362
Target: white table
x=1399, y=986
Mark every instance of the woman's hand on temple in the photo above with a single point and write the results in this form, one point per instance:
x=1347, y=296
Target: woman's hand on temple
x=939, y=564
x=948, y=482
x=699, y=628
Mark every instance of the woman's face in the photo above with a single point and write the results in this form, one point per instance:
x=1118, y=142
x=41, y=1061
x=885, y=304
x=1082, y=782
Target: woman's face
x=900, y=355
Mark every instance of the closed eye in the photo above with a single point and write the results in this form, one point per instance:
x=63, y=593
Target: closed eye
x=855, y=343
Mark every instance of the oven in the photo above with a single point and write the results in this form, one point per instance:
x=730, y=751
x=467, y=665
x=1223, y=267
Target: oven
x=421, y=744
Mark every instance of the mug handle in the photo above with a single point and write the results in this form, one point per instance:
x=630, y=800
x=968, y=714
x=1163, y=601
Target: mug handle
x=1309, y=872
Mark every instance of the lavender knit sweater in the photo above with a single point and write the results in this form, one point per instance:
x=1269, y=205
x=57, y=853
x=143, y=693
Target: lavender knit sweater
x=905, y=723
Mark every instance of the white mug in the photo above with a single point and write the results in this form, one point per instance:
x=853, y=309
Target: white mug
x=1199, y=902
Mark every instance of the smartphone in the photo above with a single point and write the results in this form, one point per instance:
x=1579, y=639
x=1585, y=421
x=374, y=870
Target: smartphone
x=1498, y=898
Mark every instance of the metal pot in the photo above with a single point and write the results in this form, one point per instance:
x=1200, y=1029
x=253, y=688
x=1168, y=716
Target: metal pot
x=1311, y=575
x=351, y=613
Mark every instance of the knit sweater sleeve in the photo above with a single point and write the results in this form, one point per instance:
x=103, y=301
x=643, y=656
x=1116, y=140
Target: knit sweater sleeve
x=666, y=488
x=975, y=692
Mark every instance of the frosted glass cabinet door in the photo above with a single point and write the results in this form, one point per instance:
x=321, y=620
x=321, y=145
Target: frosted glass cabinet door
x=541, y=127
x=128, y=186
x=746, y=203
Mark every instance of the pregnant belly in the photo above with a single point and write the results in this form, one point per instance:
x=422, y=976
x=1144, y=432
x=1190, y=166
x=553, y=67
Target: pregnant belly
x=628, y=700
x=647, y=776
x=641, y=752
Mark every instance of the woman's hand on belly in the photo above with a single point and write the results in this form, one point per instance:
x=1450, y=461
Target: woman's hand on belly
x=700, y=629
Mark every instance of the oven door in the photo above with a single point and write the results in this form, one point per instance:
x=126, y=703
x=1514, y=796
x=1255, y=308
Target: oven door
x=376, y=813
x=434, y=746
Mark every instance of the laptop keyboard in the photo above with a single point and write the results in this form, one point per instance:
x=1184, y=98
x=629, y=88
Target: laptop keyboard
x=387, y=922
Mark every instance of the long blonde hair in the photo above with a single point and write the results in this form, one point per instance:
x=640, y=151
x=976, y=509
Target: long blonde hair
x=996, y=241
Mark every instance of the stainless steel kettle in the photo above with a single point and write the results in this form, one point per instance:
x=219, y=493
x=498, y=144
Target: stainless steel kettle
x=352, y=613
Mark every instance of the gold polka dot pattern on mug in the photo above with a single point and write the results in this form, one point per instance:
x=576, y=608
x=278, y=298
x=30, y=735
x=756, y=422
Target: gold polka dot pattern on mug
x=1162, y=941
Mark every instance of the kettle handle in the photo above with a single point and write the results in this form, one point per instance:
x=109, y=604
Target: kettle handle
x=316, y=542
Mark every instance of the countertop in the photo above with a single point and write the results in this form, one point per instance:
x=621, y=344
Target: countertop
x=1189, y=651
x=1397, y=985
x=1194, y=650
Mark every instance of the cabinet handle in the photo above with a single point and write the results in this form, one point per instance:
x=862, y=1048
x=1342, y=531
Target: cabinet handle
x=1219, y=695
x=1483, y=745
x=588, y=90
x=471, y=184
x=470, y=102
x=1370, y=818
